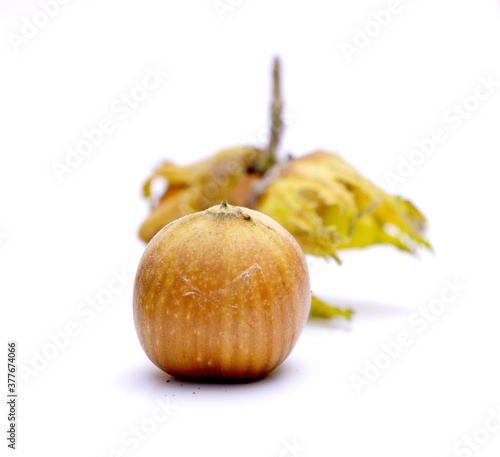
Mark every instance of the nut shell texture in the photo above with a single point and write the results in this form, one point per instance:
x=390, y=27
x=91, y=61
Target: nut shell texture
x=222, y=293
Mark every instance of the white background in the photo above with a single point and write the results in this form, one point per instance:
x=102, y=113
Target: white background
x=61, y=240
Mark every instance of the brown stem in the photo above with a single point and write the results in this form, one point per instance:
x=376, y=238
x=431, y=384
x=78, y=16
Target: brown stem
x=269, y=157
x=276, y=109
